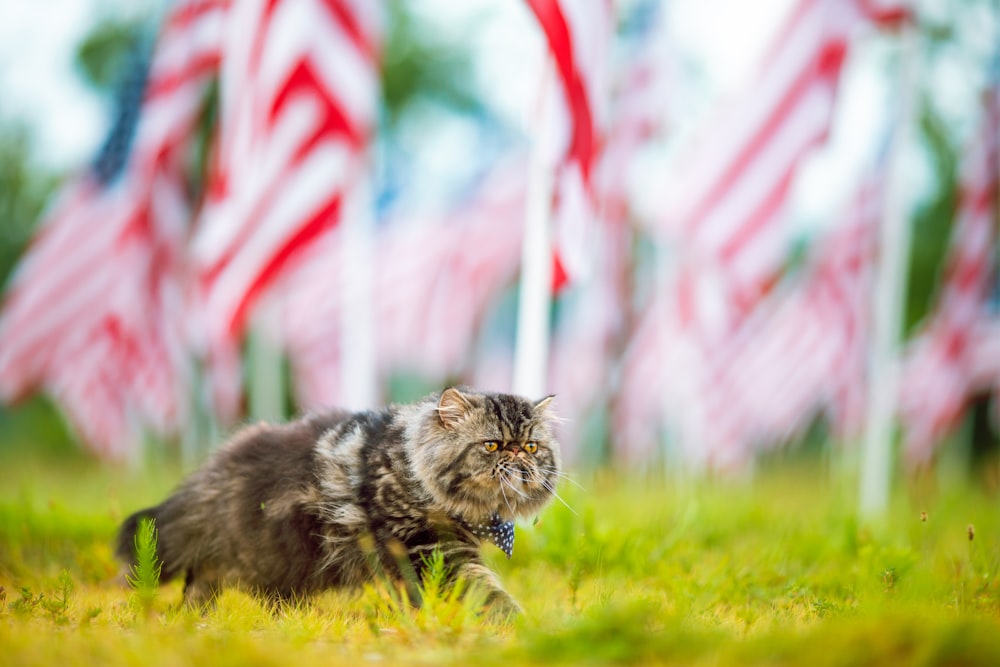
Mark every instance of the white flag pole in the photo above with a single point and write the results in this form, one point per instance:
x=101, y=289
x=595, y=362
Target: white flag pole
x=531, y=348
x=357, y=312
x=265, y=379
x=888, y=302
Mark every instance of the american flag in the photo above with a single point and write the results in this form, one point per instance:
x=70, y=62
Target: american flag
x=723, y=215
x=93, y=312
x=804, y=348
x=578, y=33
x=940, y=372
x=298, y=99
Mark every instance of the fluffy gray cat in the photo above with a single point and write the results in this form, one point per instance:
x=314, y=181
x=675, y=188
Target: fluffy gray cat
x=332, y=500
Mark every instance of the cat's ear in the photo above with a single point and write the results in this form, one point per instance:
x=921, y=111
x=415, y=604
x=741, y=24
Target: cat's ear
x=542, y=406
x=452, y=407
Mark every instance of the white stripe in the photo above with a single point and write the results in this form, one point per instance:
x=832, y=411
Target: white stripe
x=728, y=135
x=181, y=47
x=307, y=189
x=346, y=72
x=811, y=115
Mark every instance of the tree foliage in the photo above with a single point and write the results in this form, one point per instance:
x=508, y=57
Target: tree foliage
x=932, y=222
x=417, y=66
x=24, y=191
x=103, y=54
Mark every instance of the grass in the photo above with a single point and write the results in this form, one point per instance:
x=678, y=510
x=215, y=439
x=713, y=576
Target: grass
x=645, y=570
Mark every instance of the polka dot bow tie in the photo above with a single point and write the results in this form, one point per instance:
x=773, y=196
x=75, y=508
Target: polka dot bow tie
x=497, y=531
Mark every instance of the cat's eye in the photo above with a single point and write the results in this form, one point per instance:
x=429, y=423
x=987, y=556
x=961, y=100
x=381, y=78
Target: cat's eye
x=491, y=445
x=531, y=446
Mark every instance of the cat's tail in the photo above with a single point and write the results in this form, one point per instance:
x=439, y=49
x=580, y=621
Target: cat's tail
x=125, y=546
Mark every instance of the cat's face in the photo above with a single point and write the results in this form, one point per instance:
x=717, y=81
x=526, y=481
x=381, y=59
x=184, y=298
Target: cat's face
x=485, y=453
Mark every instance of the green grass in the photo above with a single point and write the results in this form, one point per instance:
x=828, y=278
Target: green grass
x=773, y=570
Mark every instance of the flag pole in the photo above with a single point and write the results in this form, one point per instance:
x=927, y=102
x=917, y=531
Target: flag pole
x=357, y=316
x=531, y=347
x=888, y=302
x=265, y=381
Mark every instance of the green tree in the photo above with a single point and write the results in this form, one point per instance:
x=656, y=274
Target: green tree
x=25, y=188
x=103, y=54
x=417, y=66
x=932, y=221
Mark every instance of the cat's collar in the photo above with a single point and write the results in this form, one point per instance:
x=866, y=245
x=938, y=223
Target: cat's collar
x=496, y=530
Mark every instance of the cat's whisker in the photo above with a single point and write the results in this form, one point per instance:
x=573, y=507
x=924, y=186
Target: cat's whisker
x=555, y=495
x=564, y=476
x=551, y=470
x=513, y=488
x=531, y=477
x=504, y=494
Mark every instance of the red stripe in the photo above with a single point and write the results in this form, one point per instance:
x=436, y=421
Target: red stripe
x=38, y=353
x=303, y=80
x=84, y=314
x=79, y=194
x=968, y=274
x=46, y=280
x=891, y=17
x=333, y=123
x=982, y=199
x=350, y=24
x=825, y=67
x=187, y=13
x=582, y=144
x=211, y=273
x=686, y=311
x=260, y=37
x=758, y=219
x=126, y=348
x=325, y=218
x=205, y=66
x=801, y=13
x=560, y=277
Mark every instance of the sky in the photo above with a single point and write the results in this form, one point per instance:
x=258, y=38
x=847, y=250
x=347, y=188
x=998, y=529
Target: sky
x=37, y=82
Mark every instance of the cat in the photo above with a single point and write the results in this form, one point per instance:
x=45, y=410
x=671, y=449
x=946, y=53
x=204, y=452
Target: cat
x=333, y=500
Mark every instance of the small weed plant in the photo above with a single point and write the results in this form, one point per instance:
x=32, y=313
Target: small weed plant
x=144, y=575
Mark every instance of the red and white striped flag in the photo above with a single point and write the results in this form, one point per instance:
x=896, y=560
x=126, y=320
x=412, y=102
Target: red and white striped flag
x=723, y=213
x=94, y=310
x=298, y=98
x=726, y=200
x=578, y=33
x=801, y=350
x=804, y=349
x=939, y=374
x=848, y=281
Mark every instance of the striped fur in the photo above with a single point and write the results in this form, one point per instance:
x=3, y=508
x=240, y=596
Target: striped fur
x=334, y=500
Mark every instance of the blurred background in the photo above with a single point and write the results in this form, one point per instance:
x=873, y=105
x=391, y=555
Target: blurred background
x=719, y=231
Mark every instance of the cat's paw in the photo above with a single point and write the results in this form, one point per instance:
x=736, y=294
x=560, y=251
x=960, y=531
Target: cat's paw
x=502, y=608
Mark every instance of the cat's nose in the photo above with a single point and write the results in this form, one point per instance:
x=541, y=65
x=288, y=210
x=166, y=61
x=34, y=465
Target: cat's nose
x=514, y=449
